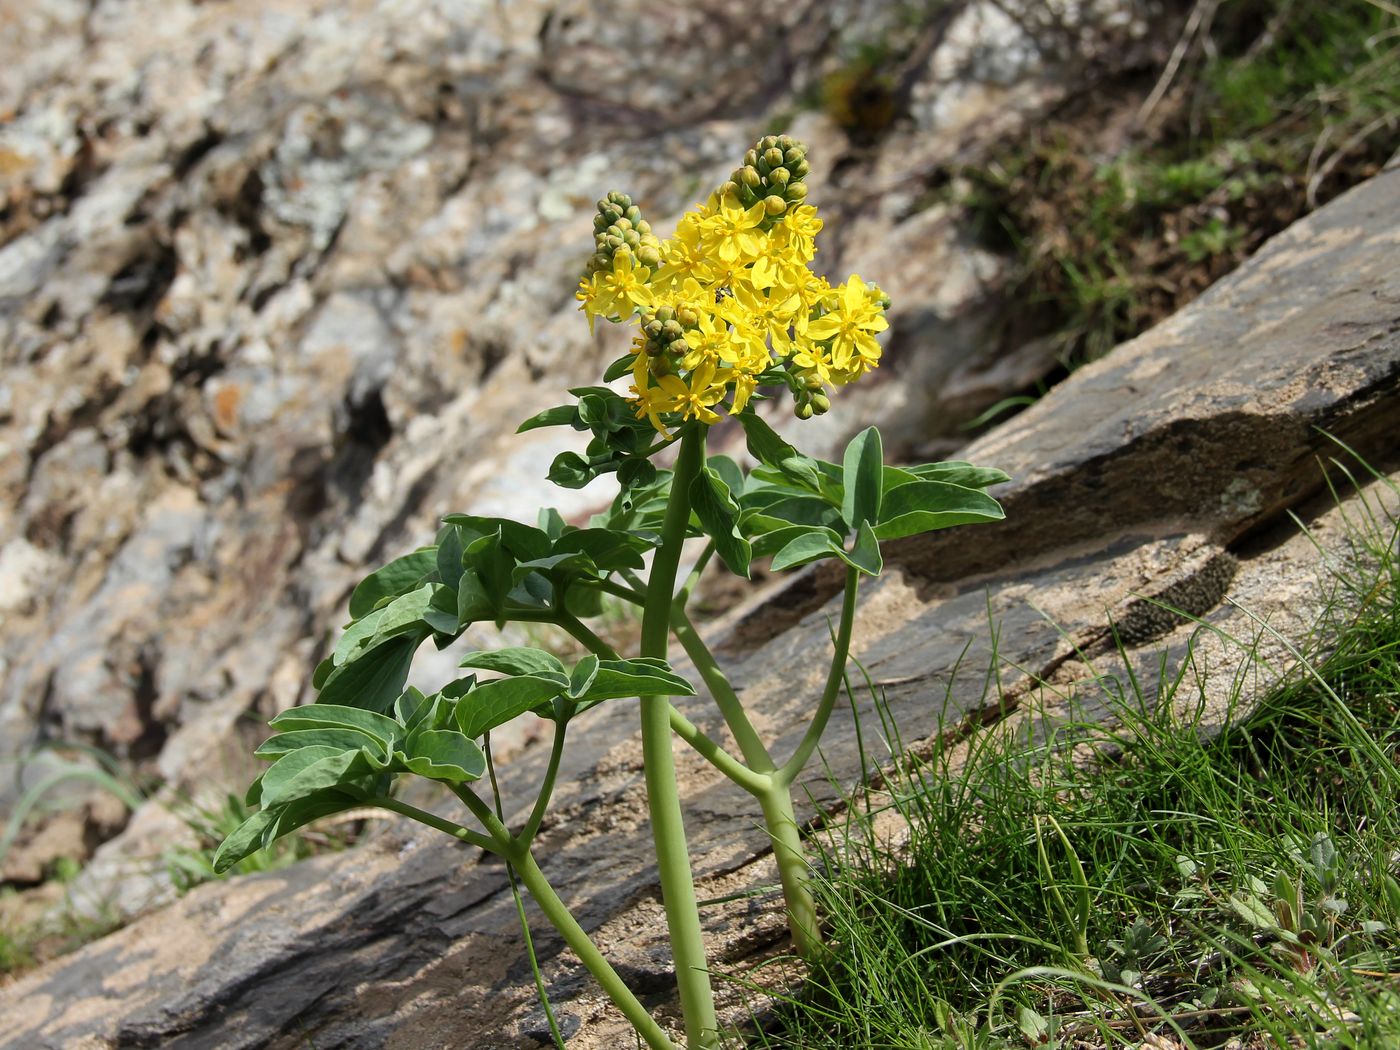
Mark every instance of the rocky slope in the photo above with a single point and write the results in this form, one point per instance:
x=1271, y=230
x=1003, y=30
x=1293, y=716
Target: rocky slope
x=278, y=279
x=1162, y=472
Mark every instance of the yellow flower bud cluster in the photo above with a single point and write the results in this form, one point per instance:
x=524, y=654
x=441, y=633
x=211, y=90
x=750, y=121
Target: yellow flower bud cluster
x=772, y=173
x=618, y=227
x=730, y=303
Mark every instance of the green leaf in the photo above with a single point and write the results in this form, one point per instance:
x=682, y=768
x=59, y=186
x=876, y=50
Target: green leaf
x=410, y=707
x=521, y=540
x=861, y=475
x=551, y=523
x=444, y=754
x=398, y=577
x=356, y=637
x=493, y=566
x=559, y=416
x=375, y=678
x=332, y=716
x=764, y=443
x=619, y=368
x=404, y=615
x=327, y=772
x=638, y=677
x=570, y=471
x=473, y=603
x=719, y=515
x=515, y=660
x=770, y=542
x=286, y=819
x=636, y=472
x=557, y=566
x=923, y=506
x=582, y=676
x=812, y=545
x=288, y=766
x=244, y=840
x=451, y=545
x=865, y=552
x=342, y=739
x=442, y=614
x=956, y=472
x=728, y=472
x=495, y=703
x=610, y=549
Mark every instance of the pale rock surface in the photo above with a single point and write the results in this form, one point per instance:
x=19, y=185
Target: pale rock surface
x=278, y=278
x=1163, y=471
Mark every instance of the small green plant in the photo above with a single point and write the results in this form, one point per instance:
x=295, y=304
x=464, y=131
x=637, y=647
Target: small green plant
x=191, y=865
x=729, y=315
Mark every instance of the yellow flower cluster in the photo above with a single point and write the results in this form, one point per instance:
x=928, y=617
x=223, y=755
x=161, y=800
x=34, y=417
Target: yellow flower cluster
x=732, y=304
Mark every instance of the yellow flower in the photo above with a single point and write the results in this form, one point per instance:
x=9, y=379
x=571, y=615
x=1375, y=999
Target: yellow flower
x=771, y=314
x=704, y=387
x=620, y=290
x=730, y=233
x=798, y=231
x=850, y=326
x=682, y=257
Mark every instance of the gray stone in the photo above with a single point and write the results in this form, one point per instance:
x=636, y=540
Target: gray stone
x=1163, y=471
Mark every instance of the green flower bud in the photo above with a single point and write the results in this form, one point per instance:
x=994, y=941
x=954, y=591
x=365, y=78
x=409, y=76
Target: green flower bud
x=652, y=328
x=821, y=403
x=664, y=314
x=774, y=205
x=779, y=176
x=803, y=411
x=671, y=330
x=750, y=158
x=688, y=317
x=679, y=346
x=633, y=214
x=773, y=157
x=793, y=155
x=750, y=177
x=797, y=191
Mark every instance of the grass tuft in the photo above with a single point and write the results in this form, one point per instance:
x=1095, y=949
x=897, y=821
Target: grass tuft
x=1182, y=889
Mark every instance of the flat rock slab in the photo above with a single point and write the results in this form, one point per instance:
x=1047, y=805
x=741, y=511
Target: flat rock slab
x=1163, y=471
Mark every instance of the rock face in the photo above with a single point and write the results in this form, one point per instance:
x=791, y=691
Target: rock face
x=277, y=279
x=1161, y=472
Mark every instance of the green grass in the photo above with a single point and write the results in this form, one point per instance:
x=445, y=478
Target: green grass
x=1274, y=109
x=1184, y=885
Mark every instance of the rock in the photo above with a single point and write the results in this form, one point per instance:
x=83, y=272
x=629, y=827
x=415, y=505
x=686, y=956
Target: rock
x=396, y=943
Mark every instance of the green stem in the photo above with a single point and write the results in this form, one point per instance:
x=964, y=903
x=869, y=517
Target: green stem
x=576, y=938
x=710, y=750
x=788, y=772
x=793, y=870
x=708, y=747
x=663, y=795
x=551, y=774
x=517, y=854
x=433, y=821
x=750, y=746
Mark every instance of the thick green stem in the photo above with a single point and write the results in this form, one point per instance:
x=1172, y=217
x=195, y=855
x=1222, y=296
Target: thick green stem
x=663, y=795
x=793, y=870
x=788, y=772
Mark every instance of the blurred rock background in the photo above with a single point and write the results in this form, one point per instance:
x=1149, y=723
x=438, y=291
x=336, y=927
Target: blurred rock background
x=279, y=278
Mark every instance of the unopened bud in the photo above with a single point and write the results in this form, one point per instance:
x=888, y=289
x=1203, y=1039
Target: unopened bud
x=803, y=411
x=649, y=256
x=774, y=205
x=679, y=346
x=774, y=157
x=688, y=317
x=797, y=191
x=820, y=403
x=751, y=158
x=750, y=177
x=779, y=176
x=792, y=155
x=671, y=330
